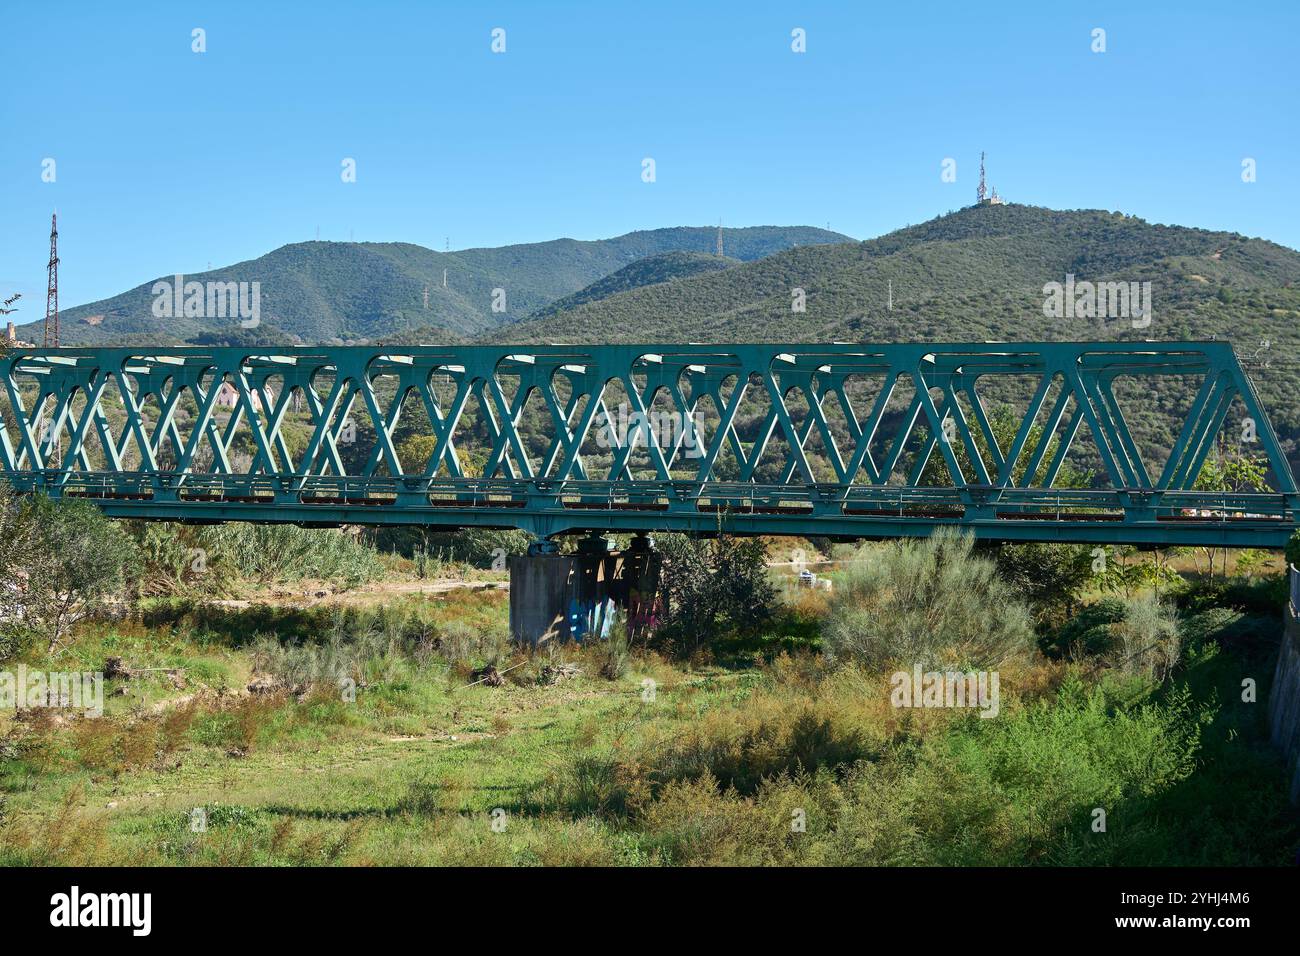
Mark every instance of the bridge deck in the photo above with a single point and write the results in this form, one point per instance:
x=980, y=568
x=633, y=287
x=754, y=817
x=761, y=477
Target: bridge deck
x=1132, y=516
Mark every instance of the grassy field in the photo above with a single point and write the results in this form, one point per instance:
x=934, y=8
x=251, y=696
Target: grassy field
x=761, y=752
x=409, y=773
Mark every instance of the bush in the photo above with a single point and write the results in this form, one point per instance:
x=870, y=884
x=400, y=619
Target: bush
x=930, y=602
x=1266, y=596
x=63, y=560
x=1088, y=633
x=1228, y=628
x=1022, y=788
x=714, y=588
x=1138, y=634
x=1050, y=577
x=1147, y=639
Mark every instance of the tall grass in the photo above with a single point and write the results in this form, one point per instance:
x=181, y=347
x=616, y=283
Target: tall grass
x=177, y=557
x=870, y=787
x=374, y=643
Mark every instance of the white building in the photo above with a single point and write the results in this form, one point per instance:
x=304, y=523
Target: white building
x=228, y=397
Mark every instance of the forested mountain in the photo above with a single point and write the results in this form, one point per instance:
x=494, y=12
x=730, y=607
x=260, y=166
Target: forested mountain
x=979, y=274
x=347, y=291
x=666, y=267
x=974, y=274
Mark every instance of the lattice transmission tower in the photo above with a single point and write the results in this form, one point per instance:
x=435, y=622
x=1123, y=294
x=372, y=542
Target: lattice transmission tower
x=52, y=287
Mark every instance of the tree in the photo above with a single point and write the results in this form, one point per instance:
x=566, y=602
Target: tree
x=415, y=452
x=1233, y=472
x=1119, y=574
x=75, y=559
x=1051, y=577
x=1250, y=561
x=18, y=548
x=1230, y=472
x=714, y=587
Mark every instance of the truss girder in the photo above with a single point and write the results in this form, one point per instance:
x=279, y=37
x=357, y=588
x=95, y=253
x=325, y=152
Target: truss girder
x=821, y=424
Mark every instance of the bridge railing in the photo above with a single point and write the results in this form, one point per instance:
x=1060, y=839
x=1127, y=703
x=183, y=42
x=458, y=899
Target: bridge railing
x=1010, y=503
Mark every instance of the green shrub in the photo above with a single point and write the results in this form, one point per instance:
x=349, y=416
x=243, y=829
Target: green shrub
x=1088, y=633
x=1265, y=595
x=714, y=588
x=1138, y=634
x=931, y=602
x=68, y=557
x=1227, y=627
x=1050, y=577
x=1293, y=549
x=1147, y=639
x=1021, y=788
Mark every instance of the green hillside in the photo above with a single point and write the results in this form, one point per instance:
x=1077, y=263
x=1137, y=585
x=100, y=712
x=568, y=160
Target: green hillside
x=666, y=267
x=344, y=291
x=978, y=274
x=974, y=274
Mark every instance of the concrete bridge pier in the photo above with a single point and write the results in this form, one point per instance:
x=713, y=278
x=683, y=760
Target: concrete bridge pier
x=585, y=594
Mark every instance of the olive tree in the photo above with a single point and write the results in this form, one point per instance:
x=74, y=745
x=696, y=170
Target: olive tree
x=63, y=559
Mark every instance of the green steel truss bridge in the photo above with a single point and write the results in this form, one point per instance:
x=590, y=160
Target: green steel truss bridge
x=842, y=440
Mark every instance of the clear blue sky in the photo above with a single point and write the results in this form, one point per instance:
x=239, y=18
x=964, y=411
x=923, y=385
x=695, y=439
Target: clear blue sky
x=168, y=160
